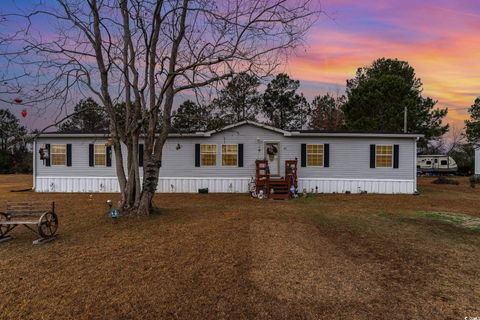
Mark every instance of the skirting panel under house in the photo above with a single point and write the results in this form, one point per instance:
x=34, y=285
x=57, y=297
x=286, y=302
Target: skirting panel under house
x=225, y=185
x=382, y=186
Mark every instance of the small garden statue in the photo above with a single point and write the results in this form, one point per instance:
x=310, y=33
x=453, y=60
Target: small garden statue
x=112, y=212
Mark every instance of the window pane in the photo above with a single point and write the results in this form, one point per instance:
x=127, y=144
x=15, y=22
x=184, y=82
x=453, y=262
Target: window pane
x=58, y=148
x=229, y=148
x=315, y=148
x=384, y=150
x=100, y=151
x=384, y=161
x=229, y=154
x=58, y=159
x=208, y=148
x=100, y=148
x=384, y=156
x=100, y=160
x=315, y=155
x=209, y=159
x=229, y=160
x=58, y=154
x=315, y=160
x=208, y=153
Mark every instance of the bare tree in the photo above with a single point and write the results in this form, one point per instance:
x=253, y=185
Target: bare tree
x=454, y=139
x=144, y=53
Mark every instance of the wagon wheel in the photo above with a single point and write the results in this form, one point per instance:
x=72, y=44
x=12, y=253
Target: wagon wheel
x=48, y=225
x=4, y=228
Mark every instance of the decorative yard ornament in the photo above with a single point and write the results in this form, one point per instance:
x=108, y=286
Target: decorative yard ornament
x=114, y=214
x=43, y=153
x=260, y=195
x=24, y=113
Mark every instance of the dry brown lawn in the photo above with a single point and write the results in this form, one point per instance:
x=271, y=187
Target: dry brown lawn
x=228, y=256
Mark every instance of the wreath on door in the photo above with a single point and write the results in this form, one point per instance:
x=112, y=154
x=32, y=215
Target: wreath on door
x=272, y=151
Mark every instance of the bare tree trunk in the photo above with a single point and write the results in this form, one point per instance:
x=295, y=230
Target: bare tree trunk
x=150, y=182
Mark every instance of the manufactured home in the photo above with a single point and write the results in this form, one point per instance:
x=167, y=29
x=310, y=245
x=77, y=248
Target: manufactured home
x=225, y=160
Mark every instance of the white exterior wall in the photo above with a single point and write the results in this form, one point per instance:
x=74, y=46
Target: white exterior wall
x=349, y=165
x=477, y=160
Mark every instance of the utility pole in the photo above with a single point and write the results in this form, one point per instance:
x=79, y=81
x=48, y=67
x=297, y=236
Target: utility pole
x=405, y=120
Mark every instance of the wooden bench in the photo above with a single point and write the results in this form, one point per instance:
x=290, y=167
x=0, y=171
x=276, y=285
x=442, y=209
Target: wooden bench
x=37, y=216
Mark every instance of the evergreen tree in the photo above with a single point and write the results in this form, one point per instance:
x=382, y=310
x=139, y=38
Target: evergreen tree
x=88, y=116
x=239, y=100
x=378, y=94
x=14, y=154
x=282, y=106
x=190, y=117
x=472, y=126
x=327, y=112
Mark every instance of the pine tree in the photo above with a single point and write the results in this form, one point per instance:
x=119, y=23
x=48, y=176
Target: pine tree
x=282, y=106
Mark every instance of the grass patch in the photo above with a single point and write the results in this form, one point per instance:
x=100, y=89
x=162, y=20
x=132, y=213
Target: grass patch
x=457, y=219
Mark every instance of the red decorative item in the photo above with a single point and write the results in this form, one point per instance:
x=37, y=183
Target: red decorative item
x=18, y=100
x=24, y=113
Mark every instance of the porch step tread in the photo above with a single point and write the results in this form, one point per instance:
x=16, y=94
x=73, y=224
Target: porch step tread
x=277, y=196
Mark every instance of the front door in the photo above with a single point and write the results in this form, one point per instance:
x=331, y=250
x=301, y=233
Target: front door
x=272, y=154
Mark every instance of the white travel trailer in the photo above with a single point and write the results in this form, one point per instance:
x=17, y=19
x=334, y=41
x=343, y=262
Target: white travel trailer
x=435, y=164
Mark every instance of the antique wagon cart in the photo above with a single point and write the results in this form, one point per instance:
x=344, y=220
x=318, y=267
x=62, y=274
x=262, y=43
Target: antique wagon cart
x=37, y=216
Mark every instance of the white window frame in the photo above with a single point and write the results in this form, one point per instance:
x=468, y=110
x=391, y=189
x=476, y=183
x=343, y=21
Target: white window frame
x=95, y=153
x=51, y=153
x=236, y=155
x=216, y=155
x=376, y=155
x=323, y=154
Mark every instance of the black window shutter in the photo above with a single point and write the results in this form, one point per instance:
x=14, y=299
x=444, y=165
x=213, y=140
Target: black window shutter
x=140, y=154
x=303, y=158
x=69, y=155
x=240, y=154
x=90, y=155
x=396, y=149
x=326, y=155
x=109, y=156
x=372, y=156
x=197, y=155
x=47, y=160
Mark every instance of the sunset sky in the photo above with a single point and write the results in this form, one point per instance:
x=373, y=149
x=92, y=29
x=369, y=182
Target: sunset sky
x=439, y=38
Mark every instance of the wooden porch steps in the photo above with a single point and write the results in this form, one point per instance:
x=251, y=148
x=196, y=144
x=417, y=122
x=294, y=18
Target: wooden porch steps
x=275, y=187
x=280, y=189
